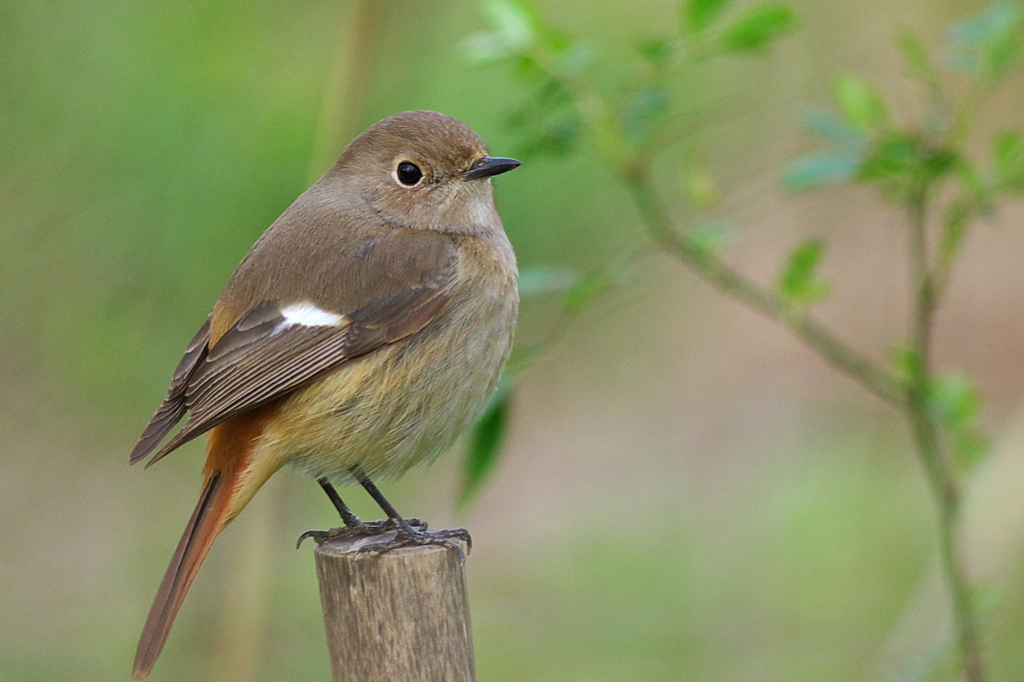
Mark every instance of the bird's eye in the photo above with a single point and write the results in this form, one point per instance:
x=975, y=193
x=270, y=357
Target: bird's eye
x=408, y=173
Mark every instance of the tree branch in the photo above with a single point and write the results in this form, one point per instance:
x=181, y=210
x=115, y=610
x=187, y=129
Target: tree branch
x=715, y=271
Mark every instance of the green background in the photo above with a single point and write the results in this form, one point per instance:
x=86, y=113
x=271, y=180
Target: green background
x=687, y=493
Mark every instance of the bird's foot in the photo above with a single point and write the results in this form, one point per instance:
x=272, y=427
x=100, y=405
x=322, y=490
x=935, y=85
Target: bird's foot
x=414, y=533
x=359, y=529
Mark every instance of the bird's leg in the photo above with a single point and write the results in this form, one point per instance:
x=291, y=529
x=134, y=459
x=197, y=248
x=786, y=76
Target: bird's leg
x=354, y=526
x=408, y=532
x=350, y=519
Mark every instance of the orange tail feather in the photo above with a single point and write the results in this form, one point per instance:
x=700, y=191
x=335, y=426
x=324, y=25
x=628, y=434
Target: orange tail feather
x=204, y=526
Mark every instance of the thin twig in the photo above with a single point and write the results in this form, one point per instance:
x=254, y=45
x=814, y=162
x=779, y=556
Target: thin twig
x=633, y=170
x=713, y=270
x=936, y=460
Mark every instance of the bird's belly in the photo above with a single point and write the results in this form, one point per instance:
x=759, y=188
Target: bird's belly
x=397, y=407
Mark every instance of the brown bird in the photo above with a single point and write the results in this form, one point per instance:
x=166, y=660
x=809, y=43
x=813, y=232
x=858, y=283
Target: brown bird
x=365, y=330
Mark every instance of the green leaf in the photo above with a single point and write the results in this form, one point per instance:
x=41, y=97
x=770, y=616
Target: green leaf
x=555, y=134
x=1008, y=153
x=907, y=365
x=896, y=158
x=573, y=57
x=985, y=45
x=820, y=169
x=917, y=58
x=515, y=30
x=861, y=105
x=954, y=404
x=700, y=14
x=902, y=161
x=485, y=442
x=799, y=282
x=546, y=121
x=643, y=108
x=513, y=21
x=953, y=401
x=657, y=51
x=831, y=127
x=758, y=27
x=486, y=47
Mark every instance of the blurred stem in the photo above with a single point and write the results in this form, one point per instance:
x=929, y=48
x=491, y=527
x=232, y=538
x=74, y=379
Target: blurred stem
x=937, y=462
x=633, y=169
x=717, y=273
x=348, y=79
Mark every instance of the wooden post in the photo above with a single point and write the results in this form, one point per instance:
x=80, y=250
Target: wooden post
x=403, y=615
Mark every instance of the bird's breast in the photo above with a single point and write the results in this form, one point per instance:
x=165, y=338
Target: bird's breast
x=403, y=404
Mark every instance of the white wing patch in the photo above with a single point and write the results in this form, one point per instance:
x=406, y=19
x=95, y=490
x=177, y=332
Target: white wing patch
x=307, y=314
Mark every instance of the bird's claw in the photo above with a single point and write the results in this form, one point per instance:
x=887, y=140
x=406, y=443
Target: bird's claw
x=417, y=535
x=364, y=529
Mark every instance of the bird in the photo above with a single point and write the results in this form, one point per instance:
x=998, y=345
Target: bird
x=364, y=331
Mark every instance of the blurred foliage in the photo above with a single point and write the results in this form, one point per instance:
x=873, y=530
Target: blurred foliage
x=799, y=283
x=627, y=126
x=923, y=167
x=485, y=441
x=630, y=124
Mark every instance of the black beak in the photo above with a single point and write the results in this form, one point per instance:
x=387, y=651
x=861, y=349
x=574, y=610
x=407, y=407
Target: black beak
x=489, y=166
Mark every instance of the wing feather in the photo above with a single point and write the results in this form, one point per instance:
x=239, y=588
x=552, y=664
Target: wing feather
x=262, y=357
x=174, y=406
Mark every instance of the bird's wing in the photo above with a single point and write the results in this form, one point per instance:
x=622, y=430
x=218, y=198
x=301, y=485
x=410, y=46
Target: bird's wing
x=173, y=408
x=277, y=346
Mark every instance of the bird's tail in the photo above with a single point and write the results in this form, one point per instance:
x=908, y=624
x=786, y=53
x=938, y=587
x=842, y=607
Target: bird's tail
x=208, y=519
